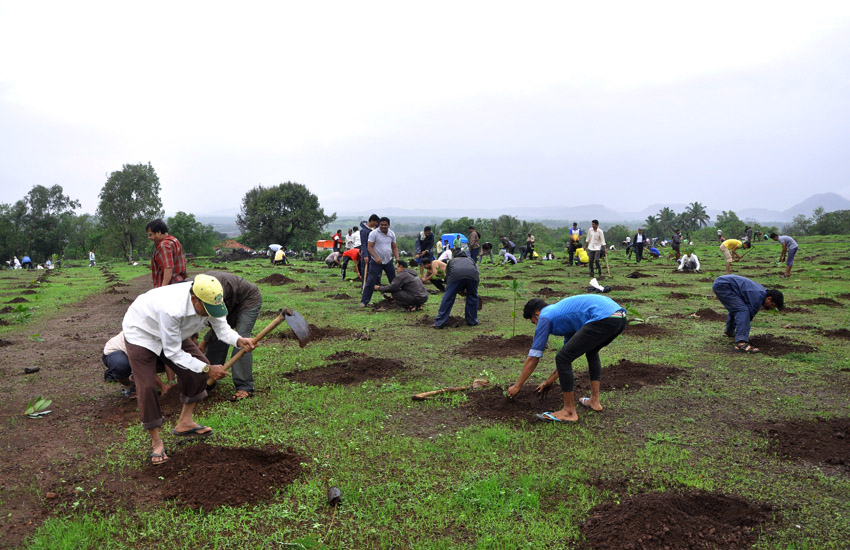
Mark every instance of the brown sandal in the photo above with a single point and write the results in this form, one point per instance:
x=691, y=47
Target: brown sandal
x=745, y=347
x=241, y=394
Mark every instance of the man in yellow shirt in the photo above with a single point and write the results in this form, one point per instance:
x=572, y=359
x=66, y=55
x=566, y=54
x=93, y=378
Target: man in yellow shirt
x=728, y=248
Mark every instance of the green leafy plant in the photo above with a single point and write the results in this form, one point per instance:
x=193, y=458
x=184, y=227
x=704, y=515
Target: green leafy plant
x=36, y=338
x=636, y=318
x=514, y=286
x=22, y=313
x=36, y=407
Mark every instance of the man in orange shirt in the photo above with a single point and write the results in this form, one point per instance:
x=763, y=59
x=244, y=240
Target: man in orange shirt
x=168, y=264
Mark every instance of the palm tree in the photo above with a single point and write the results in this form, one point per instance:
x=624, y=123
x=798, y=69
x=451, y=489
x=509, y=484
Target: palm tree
x=666, y=221
x=697, y=213
x=651, y=226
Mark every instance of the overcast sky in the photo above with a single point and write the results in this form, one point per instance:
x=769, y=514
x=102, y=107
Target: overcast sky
x=479, y=104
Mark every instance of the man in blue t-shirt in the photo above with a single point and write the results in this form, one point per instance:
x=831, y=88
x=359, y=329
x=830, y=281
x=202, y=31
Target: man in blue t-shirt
x=588, y=323
x=743, y=298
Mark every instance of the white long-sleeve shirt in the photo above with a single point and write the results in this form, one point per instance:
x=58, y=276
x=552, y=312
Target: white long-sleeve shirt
x=160, y=319
x=595, y=239
x=687, y=258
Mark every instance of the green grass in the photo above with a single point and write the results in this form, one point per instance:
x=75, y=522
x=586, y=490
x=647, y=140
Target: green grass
x=484, y=485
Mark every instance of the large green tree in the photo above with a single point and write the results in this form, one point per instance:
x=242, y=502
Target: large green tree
x=697, y=213
x=129, y=199
x=287, y=214
x=40, y=216
x=195, y=237
x=666, y=221
x=730, y=224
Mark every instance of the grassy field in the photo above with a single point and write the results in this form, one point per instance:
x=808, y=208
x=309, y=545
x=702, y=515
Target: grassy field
x=437, y=475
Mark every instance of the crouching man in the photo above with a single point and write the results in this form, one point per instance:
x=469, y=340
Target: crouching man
x=743, y=298
x=407, y=288
x=588, y=323
x=158, y=326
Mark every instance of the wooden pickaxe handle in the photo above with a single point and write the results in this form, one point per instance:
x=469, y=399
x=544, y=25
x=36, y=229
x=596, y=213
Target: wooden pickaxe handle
x=256, y=339
x=428, y=394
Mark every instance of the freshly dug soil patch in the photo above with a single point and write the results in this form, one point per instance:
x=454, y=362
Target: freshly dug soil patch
x=819, y=302
x=495, y=346
x=819, y=441
x=492, y=285
x=28, y=292
x=307, y=288
x=17, y=300
x=453, y=322
x=547, y=281
x=707, y=314
x=4, y=343
x=679, y=296
x=4, y=322
x=630, y=300
x=645, y=329
x=342, y=296
x=204, y=476
x=546, y=291
x=844, y=296
x=345, y=354
x=276, y=279
x=796, y=310
x=625, y=375
x=637, y=275
x=492, y=299
x=674, y=520
x=777, y=347
x=837, y=333
x=7, y=309
x=316, y=333
x=621, y=288
x=664, y=284
x=355, y=370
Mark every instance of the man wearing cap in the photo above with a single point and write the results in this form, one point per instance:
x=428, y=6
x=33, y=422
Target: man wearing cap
x=159, y=326
x=168, y=264
x=744, y=298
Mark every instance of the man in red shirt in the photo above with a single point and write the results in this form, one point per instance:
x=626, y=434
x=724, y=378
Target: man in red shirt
x=168, y=264
x=352, y=254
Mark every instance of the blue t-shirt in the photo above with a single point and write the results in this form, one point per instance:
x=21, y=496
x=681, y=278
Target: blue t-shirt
x=567, y=316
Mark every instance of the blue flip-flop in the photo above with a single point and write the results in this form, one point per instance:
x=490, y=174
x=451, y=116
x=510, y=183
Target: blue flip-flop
x=548, y=417
x=194, y=432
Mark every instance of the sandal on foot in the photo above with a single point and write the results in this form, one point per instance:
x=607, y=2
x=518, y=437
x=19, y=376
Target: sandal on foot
x=194, y=432
x=584, y=401
x=241, y=394
x=163, y=458
x=745, y=347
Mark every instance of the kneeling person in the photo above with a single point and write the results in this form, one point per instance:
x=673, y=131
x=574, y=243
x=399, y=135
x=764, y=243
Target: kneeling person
x=588, y=323
x=407, y=289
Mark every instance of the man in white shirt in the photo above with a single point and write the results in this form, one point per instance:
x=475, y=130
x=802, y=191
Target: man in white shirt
x=595, y=246
x=689, y=262
x=382, y=251
x=159, y=326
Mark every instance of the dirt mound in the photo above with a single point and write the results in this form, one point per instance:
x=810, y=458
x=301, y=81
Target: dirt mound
x=625, y=375
x=345, y=354
x=777, y=347
x=630, y=300
x=664, y=284
x=342, y=296
x=674, y=520
x=645, y=329
x=17, y=300
x=495, y=346
x=546, y=291
x=276, y=279
x=824, y=441
x=206, y=476
x=306, y=288
x=7, y=309
x=355, y=370
x=637, y=275
x=317, y=333
x=678, y=296
x=796, y=310
x=4, y=343
x=453, y=322
x=28, y=292
x=837, y=333
x=621, y=288
x=819, y=302
x=844, y=296
x=706, y=314
x=547, y=281
x=492, y=285
x=4, y=322
x=482, y=299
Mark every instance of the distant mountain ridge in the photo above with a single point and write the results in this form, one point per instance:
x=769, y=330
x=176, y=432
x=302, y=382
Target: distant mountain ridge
x=829, y=201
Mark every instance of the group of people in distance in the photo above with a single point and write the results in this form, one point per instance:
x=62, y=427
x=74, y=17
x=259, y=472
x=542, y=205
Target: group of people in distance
x=160, y=329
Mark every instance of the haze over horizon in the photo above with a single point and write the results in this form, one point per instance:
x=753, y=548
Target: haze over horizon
x=477, y=105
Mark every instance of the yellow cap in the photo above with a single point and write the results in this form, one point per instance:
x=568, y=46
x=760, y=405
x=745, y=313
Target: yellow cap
x=207, y=289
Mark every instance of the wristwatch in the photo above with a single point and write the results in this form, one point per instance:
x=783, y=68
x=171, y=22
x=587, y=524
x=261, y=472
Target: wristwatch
x=206, y=368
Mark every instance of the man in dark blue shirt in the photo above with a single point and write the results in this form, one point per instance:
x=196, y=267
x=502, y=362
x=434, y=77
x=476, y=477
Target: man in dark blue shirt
x=744, y=298
x=588, y=323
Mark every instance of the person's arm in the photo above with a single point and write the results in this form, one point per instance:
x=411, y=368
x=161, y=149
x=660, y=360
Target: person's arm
x=395, y=251
x=527, y=368
x=697, y=262
x=784, y=250
x=167, y=273
x=371, y=248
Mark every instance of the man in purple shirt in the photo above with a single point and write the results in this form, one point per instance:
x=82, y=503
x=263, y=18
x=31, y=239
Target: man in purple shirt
x=588, y=323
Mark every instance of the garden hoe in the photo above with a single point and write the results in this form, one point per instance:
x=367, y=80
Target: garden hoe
x=295, y=322
x=477, y=383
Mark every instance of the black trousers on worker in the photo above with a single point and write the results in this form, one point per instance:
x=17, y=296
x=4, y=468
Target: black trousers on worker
x=590, y=338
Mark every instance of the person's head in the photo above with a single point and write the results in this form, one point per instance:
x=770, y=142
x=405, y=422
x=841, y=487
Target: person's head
x=470, y=229
x=640, y=230
x=207, y=296
x=678, y=231
x=427, y=230
x=529, y=234
x=532, y=309
x=426, y=261
x=502, y=239
x=349, y=231
x=384, y=224
x=575, y=225
x=354, y=229
x=746, y=244
x=156, y=229
x=374, y=219
x=595, y=224
x=339, y=231
x=774, y=236
x=401, y=266
x=774, y=300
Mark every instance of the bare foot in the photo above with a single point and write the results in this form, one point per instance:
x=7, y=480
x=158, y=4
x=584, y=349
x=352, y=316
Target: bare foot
x=591, y=404
x=566, y=416
x=193, y=427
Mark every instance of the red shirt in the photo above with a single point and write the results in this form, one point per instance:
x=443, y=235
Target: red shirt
x=353, y=253
x=168, y=253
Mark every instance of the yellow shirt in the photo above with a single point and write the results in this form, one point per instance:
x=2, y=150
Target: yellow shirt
x=582, y=255
x=732, y=244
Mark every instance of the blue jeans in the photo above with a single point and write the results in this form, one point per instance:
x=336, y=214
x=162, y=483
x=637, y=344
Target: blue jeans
x=374, y=278
x=243, y=369
x=471, y=311
x=117, y=367
x=473, y=253
x=738, y=320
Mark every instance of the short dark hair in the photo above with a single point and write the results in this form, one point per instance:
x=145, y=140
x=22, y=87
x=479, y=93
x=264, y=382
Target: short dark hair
x=774, y=235
x=777, y=297
x=425, y=260
x=355, y=228
x=384, y=219
x=595, y=221
x=574, y=223
x=532, y=306
x=470, y=227
x=374, y=218
x=402, y=263
x=157, y=226
x=427, y=228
